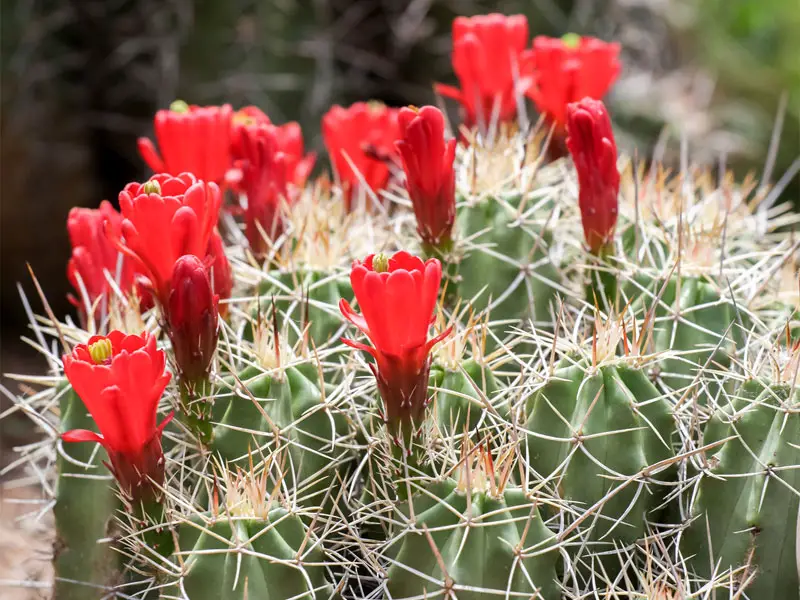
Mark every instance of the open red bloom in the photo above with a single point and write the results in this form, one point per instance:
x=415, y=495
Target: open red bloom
x=362, y=135
x=594, y=152
x=192, y=319
x=120, y=379
x=397, y=297
x=165, y=218
x=94, y=254
x=568, y=69
x=493, y=67
x=430, y=178
x=192, y=139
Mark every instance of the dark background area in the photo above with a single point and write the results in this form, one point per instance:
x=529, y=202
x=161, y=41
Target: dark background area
x=81, y=81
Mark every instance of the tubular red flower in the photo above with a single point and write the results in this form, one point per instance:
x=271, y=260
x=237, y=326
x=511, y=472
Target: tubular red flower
x=594, y=152
x=221, y=275
x=93, y=253
x=192, y=319
x=430, y=178
x=159, y=227
x=493, y=67
x=120, y=379
x=364, y=135
x=195, y=140
x=396, y=313
x=571, y=69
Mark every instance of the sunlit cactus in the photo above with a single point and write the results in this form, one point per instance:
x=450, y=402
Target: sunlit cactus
x=498, y=362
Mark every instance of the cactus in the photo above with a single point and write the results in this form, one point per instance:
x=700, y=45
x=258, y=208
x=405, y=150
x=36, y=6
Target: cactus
x=85, y=503
x=594, y=429
x=252, y=550
x=474, y=537
x=745, y=500
x=586, y=390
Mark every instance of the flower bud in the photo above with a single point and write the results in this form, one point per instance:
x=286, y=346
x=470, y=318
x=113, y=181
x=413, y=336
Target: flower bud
x=594, y=152
x=192, y=319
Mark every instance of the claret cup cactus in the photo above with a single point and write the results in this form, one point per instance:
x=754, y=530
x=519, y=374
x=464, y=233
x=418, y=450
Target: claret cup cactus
x=502, y=362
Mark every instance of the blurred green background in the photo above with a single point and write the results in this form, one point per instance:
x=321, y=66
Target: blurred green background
x=82, y=79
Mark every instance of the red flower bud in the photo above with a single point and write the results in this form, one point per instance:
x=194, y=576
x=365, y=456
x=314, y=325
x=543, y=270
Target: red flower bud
x=594, y=152
x=192, y=139
x=94, y=254
x=493, y=67
x=568, y=69
x=362, y=135
x=164, y=219
x=397, y=297
x=430, y=178
x=192, y=319
x=120, y=379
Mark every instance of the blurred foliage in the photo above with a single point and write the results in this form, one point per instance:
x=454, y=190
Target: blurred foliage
x=752, y=47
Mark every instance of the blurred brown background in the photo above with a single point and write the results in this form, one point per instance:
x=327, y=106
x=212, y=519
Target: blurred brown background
x=82, y=79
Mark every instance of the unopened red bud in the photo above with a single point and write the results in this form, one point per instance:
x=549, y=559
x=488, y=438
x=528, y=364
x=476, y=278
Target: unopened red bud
x=192, y=318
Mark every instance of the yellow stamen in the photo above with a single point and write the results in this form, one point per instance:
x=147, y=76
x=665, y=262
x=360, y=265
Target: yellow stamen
x=380, y=263
x=101, y=351
x=179, y=106
x=571, y=40
x=151, y=187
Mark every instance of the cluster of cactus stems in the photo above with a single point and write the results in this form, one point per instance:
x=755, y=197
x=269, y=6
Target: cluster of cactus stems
x=506, y=364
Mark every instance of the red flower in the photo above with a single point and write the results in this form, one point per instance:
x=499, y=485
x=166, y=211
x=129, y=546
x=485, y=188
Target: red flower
x=569, y=69
x=288, y=139
x=245, y=118
x=192, y=319
x=192, y=139
x=93, y=253
x=120, y=379
x=397, y=297
x=264, y=182
x=364, y=135
x=430, y=178
x=165, y=218
x=594, y=152
x=492, y=65
x=220, y=267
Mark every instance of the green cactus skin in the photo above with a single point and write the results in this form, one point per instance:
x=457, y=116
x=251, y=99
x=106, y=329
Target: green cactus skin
x=621, y=398
x=703, y=320
x=278, y=559
x=290, y=401
x=500, y=236
x=461, y=393
x=746, y=504
x=84, y=506
x=481, y=556
x=305, y=297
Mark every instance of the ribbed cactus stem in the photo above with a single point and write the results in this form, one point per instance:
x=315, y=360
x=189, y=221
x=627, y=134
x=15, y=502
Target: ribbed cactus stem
x=84, y=507
x=196, y=407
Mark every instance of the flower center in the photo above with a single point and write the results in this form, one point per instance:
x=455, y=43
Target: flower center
x=380, y=263
x=571, y=40
x=242, y=118
x=179, y=106
x=100, y=351
x=151, y=187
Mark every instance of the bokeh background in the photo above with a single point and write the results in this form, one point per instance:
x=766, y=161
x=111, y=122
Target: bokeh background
x=81, y=80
